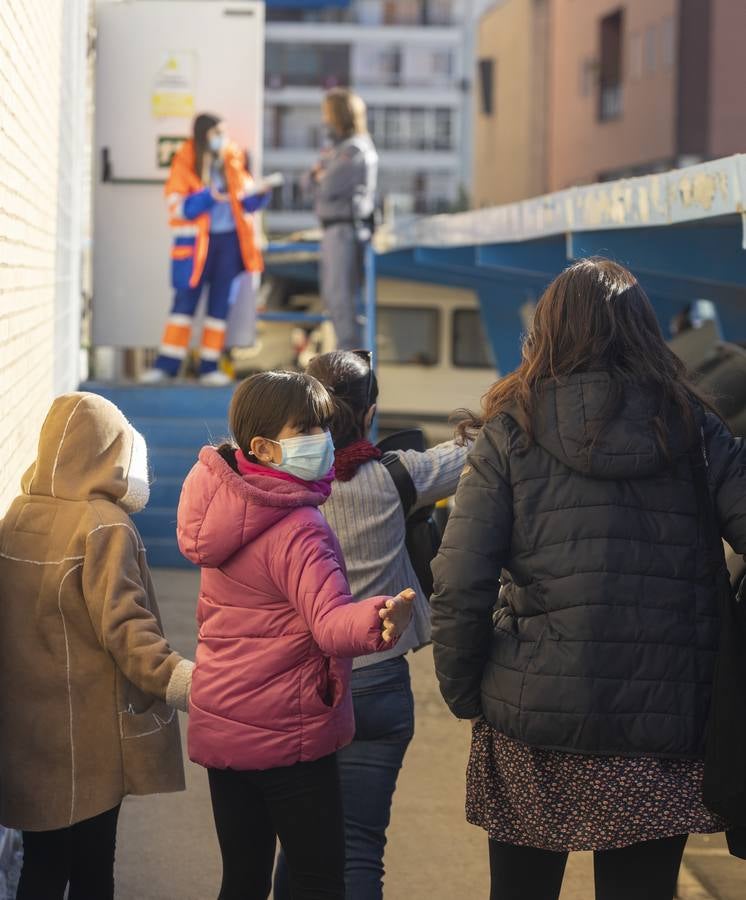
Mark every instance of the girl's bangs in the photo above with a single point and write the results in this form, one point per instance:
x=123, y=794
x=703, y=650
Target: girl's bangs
x=311, y=406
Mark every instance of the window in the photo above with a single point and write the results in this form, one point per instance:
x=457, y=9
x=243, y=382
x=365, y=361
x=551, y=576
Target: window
x=402, y=12
x=298, y=65
x=393, y=139
x=487, y=86
x=442, y=63
x=443, y=129
x=470, y=350
x=437, y=12
x=418, y=139
x=408, y=336
x=412, y=128
x=610, y=84
x=651, y=49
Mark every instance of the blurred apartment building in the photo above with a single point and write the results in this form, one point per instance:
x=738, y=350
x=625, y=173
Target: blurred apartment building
x=411, y=60
x=575, y=91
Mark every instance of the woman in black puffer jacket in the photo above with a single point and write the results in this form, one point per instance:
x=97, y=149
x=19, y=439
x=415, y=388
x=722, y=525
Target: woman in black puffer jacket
x=588, y=680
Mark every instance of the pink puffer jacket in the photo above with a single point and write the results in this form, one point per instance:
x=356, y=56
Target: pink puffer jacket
x=277, y=628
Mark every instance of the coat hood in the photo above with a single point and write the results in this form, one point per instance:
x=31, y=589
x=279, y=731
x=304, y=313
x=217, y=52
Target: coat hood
x=566, y=419
x=88, y=450
x=221, y=511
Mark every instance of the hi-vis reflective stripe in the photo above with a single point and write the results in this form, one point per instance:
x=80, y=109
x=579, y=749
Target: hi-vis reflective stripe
x=173, y=351
x=213, y=337
x=215, y=324
x=182, y=252
x=209, y=354
x=213, y=340
x=184, y=231
x=175, y=205
x=178, y=331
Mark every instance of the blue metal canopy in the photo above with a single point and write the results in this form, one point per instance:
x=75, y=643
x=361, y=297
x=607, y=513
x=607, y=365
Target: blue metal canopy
x=681, y=233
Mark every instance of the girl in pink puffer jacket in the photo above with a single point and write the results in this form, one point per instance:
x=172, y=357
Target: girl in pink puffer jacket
x=270, y=700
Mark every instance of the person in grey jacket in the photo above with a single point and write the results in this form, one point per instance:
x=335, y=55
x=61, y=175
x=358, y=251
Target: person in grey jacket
x=588, y=679
x=366, y=513
x=343, y=183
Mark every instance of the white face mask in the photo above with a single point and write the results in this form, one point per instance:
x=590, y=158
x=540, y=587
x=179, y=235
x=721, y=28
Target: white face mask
x=217, y=142
x=138, y=484
x=308, y=456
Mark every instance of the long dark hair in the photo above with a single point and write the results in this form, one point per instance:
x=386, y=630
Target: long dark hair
x=353, y=386
x=202, y=124
x=263, y=404
x=595, y=316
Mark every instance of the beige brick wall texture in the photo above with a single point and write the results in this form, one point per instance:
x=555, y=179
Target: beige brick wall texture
x=42, y=139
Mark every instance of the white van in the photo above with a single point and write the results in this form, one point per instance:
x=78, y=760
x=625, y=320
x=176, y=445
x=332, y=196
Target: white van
x=433, y=356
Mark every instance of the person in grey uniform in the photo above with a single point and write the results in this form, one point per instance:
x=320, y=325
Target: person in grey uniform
x=343, y=183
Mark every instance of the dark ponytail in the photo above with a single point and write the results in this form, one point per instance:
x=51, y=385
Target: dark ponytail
x=354, y=389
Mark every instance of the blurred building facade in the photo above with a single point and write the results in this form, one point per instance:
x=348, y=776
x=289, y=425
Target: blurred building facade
x=576, y=91
x=411, y=62
x=45, y=98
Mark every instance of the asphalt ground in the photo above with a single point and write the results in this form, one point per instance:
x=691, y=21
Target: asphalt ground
x=167, y=848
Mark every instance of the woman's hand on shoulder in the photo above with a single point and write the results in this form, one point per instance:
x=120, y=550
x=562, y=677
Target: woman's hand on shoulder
x=397, y=614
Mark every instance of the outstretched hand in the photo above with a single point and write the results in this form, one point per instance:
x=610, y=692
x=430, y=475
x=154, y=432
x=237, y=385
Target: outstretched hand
x=397, y=614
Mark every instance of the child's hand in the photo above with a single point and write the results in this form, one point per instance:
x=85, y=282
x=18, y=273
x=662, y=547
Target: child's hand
x=397, y=614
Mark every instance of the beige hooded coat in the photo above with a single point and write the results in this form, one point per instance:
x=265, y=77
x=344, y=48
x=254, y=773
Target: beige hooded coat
x=84, y=666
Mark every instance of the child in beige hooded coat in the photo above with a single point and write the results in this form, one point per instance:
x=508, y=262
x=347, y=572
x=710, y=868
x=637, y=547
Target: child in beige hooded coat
x=88, y=684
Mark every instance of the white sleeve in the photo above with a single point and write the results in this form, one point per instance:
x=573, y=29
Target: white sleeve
x=435, y=472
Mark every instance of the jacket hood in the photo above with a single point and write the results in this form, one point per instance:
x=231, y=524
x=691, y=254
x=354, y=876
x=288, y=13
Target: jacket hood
x=221, y=511
x=567, y=416
x=88, y=450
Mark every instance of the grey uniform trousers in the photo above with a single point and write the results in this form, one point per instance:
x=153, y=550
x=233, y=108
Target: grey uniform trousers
x=341, y=282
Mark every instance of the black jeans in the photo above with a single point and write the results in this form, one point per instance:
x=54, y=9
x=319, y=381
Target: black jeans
x=646, y=871
x=81, y=855
x=368, y=769
x=300, y=804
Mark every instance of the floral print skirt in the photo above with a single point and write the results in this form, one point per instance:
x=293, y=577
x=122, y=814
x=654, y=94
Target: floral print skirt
x=565, y=801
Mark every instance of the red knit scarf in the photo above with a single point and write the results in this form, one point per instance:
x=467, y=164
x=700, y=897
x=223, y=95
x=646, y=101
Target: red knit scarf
x=348, y=459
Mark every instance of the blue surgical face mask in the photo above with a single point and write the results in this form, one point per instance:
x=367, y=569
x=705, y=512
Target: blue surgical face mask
x=308, y=456
x=217, y=142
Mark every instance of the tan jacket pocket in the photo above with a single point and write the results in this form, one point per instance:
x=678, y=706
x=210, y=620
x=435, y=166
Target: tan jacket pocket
x=151, y=750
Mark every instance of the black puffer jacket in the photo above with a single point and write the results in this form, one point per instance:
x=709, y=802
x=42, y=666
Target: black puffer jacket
x=603, y=640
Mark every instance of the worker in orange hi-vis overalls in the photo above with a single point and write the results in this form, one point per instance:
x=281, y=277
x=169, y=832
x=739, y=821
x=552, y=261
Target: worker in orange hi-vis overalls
x=210, y=201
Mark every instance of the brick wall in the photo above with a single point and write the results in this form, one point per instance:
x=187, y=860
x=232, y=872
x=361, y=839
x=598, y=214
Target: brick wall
x=43, y=135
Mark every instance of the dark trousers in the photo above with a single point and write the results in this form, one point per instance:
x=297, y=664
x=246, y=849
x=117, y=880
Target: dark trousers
x=81, y=856
x=223, y=264
x=646, y=871
x=300, y=804
x=368, y=769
